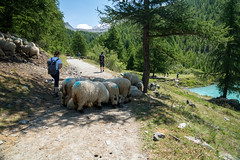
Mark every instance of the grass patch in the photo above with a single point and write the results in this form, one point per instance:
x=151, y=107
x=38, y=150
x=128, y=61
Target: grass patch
x=205, y=122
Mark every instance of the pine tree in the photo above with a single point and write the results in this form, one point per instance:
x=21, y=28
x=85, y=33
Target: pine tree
x=156, y=18
x=225, y=59
x=79, y=44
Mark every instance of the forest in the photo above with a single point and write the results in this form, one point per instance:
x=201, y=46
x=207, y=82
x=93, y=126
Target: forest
x=206, y=37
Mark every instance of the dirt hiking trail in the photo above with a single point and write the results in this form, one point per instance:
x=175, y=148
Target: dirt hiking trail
x=89, y=70
x=56, y=133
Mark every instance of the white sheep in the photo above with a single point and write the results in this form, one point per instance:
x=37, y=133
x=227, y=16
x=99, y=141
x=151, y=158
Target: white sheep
x=135, y=92
x=134, y=79
x=67, y=89
x=30, y=50
x=113, y=92
x=8, y=47
x=87, y=93
x=18, y=42
x=124, y=86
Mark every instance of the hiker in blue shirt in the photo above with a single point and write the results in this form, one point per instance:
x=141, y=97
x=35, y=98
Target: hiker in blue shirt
x=79, y=55
x=57, y=75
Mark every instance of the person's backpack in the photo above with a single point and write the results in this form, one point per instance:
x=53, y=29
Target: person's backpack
x=101, y=58
x=52, y=67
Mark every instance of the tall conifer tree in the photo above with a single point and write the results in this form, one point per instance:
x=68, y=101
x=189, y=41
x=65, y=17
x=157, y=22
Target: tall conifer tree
x=157, y=18
x=225, y=59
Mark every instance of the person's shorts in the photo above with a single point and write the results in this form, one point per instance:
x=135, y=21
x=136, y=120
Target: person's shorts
x=101, y=64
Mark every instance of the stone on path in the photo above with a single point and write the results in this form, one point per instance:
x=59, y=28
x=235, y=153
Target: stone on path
x=158, y=135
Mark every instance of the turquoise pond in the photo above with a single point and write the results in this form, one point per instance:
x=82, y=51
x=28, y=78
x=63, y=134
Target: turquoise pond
x=212, y=91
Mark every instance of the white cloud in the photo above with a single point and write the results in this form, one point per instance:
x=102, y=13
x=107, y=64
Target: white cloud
x=84, y=26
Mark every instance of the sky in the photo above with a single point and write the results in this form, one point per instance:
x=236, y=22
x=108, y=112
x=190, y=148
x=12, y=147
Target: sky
x=82, y=12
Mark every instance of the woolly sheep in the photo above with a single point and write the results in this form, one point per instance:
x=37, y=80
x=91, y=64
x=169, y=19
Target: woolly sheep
x=140, y=86
x=18, y=42
x=113, y=92
x=88, y=93
x=135, y=92
x=124, y=86
x=30, y=50
x=98, y=79
x=134, y=79
x=67, y=89
x=9, y=47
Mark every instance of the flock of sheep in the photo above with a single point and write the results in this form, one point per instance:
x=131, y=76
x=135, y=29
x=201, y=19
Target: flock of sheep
x=79, y=92
x=11, y=44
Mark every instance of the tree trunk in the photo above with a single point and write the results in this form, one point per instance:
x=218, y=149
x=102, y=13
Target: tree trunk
x=146, y=54
x=226, y=83
x=146, y=58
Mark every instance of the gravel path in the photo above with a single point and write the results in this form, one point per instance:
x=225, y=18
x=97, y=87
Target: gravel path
x=89, y=70
x=57, y=133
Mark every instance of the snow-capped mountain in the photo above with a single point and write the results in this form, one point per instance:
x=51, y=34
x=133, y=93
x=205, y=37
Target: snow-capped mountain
x=84, y=27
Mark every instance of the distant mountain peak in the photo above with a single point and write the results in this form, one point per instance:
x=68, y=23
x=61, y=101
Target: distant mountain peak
x=85, y=27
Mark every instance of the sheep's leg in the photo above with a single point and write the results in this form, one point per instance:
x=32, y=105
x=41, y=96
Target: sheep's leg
x=99, y=105
x=67, y=98
x=75, y=102
x=80, y=107
x=63, y=101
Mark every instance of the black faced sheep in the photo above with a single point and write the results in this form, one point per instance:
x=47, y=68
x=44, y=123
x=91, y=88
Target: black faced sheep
x=87, y=93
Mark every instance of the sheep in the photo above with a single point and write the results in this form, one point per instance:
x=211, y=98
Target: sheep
x=135, y=92
x=67, y=89
x=98, y=79
x=18, y=42
x=30, y=49
x=140, y=86
x=8, y=47
x=88, y=93
x=134, y=79
x=113, y=92
x=124, y=86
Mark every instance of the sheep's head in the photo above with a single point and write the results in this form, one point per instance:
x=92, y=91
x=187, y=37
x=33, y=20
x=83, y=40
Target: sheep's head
x=140, y=86
x=114, y=100
x=121, y=99
x=70, y=104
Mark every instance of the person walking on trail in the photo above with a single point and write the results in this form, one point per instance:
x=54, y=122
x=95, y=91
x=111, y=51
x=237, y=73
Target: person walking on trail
x=56, y=61
x=177, y=74
x=79, y=55
x=102, y=60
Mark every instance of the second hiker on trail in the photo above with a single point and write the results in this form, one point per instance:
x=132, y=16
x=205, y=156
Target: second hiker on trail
x=102, y=60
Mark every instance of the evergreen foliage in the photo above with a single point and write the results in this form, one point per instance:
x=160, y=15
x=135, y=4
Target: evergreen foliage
x=39, y=21
x=79, y=44
x=157, y=18
x=225, y=59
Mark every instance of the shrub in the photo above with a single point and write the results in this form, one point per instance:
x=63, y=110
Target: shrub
x=114, y=64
